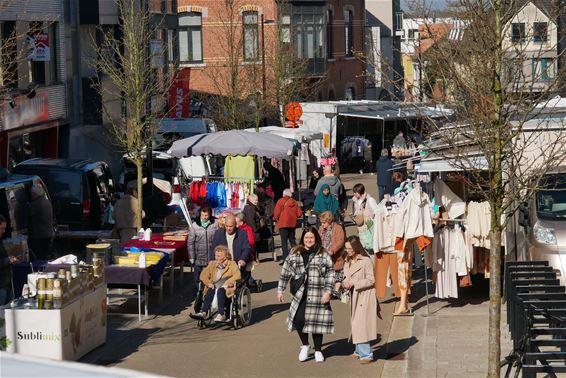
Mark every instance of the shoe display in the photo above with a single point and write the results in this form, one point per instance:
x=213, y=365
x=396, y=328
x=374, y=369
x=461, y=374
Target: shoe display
x=304, y=353
x=318, y=357
x=220, y=318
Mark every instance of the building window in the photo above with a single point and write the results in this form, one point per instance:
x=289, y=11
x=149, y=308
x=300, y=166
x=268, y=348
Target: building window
x=41, y=53
x=540, y=32
x=398, y=21
x=349, y=32
x=190, y=38
x=543, y=69
x=413, y=34
x=350, y=94
x=171, y=45
x=250, y=36
x=329, y=41
x=518, y=31
x=285, y=29
x=307, y=35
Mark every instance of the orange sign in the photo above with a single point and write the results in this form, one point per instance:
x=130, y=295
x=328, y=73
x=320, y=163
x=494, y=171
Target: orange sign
x=293, y=111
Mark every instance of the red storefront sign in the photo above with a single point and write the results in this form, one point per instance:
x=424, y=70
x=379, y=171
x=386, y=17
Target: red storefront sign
x=27, y=111
x=179, y=95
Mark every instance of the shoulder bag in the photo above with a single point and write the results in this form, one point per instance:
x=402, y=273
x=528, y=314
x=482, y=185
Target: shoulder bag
x=299, y=281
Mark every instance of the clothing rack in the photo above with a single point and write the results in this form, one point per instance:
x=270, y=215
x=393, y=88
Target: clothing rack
x=233, y=178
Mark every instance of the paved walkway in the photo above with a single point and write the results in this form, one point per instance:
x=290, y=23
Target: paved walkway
x=450, y=342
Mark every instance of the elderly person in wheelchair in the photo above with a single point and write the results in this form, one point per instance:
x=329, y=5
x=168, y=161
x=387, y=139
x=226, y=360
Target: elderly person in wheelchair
x=219, y=279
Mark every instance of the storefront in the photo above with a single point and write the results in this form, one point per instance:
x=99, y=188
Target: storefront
x=30, y=126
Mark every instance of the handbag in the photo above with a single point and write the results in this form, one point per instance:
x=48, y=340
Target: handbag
x=296, y=283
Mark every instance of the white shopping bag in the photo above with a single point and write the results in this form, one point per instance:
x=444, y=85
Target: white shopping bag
x=214, y=306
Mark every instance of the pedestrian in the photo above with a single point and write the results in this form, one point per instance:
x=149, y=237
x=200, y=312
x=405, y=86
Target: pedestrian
x=325, y=201
x=365, y=207
x=252, y=216
x=286, y=217
x=397, y=180
x=399, y=141
x=219, y=279
x=242, y=225
x=359, y=282
x=6, y=290
x=331, y=180
x=199, y=243
x=368, y=158
x=41, y=231
x=125, y=213
x=236, y=241
x=316, y=175
x=310, y=273
x=276, y=178
x=383, y=167
x=333, y=239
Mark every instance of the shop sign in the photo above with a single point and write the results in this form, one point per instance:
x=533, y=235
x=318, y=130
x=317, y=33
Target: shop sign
x=179, y=95
x=38, y=47
x=27, y=111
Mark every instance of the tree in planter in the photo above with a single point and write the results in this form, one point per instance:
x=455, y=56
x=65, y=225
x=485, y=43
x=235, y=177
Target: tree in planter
x=133, y=91
x=493, y=77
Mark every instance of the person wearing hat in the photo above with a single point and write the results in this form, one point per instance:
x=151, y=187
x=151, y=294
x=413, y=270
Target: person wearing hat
x=125, y=213
x=40, y=223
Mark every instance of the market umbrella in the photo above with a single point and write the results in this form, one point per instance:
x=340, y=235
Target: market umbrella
x=233, y=142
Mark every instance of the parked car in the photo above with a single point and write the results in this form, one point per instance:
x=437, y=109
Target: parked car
x=172, y=129
x=80, y=189
x=15, y=196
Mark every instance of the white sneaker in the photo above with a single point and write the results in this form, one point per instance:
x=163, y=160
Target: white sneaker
x=304, y=353
x=318, y=357
x=220, y=318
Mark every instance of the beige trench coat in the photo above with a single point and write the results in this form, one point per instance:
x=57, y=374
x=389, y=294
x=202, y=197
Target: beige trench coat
x=363, y=310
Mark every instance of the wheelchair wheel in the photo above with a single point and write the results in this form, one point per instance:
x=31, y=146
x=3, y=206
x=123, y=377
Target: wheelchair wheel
x=244, y=307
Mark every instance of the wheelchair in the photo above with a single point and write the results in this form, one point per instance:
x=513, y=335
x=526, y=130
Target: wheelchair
x=238, y=309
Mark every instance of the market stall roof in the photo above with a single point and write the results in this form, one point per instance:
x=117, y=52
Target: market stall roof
x=452, y=165
x=233, y=142
x=298, y=134
x=391, y=110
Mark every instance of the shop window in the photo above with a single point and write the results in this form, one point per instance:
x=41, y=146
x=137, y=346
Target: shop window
x=250, y=21
x=349, y=32
x=540, y=32
x=329, y=40
x=517, y=32
x=190, y=38
x=8, y=55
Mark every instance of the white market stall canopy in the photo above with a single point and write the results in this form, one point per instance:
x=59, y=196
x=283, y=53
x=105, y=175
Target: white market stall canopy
x=233, y=142
x=391, y=110
x=300, y=135
x=452, y=165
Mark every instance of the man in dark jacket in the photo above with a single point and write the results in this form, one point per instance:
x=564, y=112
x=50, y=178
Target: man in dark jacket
x=199, y=243
x=41, y=223
x=5, y=268
x=236, y=241
x=384, y=168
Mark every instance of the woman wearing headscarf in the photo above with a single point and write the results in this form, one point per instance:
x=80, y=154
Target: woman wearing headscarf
x=325, y=201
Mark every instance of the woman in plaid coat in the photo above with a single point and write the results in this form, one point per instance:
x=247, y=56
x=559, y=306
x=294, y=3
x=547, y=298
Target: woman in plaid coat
x=310, y=310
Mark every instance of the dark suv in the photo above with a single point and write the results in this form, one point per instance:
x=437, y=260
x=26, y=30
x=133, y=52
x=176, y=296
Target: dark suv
x=15, y=196
x=80, y=189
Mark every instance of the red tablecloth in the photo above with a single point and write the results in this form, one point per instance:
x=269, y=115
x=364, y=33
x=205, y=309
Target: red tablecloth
x=157, y=242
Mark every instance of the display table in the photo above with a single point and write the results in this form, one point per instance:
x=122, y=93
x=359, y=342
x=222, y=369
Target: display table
x=65, y=334
x=115, y=276
x=176, y=249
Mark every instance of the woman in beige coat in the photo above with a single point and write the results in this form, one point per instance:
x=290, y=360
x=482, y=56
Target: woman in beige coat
x=359, y=280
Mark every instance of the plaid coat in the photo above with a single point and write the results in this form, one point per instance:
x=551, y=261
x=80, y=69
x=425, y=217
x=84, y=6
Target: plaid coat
x=320, y=276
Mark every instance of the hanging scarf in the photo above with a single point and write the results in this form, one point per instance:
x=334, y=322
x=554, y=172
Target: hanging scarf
x=324, y=203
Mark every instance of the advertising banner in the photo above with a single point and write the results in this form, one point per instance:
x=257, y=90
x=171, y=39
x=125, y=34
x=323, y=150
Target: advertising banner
x=65, y=334
x=38, y=47
x=179, y=95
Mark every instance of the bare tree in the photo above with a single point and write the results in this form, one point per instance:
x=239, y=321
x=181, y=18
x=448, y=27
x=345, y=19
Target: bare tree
x=501, y=111
x=133, y=90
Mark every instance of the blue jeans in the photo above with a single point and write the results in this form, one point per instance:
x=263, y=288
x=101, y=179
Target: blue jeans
x=209, y=297
x=383, y=190
x=5, y=295
x=363, y=350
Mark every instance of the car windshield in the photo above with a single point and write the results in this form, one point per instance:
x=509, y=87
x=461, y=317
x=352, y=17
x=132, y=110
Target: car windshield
x=551, y=198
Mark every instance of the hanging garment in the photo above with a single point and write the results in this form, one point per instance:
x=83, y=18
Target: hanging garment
x=414, y=220
x=444, y=196
x=479, y=223
x=385, y=265
x=384, y=228
x=239, y=168
x=444, y=266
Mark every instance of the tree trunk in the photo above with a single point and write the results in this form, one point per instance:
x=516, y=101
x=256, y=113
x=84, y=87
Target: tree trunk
x=139, y=210
x=495, y=303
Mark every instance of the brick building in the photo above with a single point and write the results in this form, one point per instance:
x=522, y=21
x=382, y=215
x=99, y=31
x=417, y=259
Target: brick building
x=325, y=33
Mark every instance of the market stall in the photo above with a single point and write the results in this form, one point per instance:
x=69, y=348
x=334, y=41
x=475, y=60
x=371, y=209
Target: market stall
x=64, y=320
